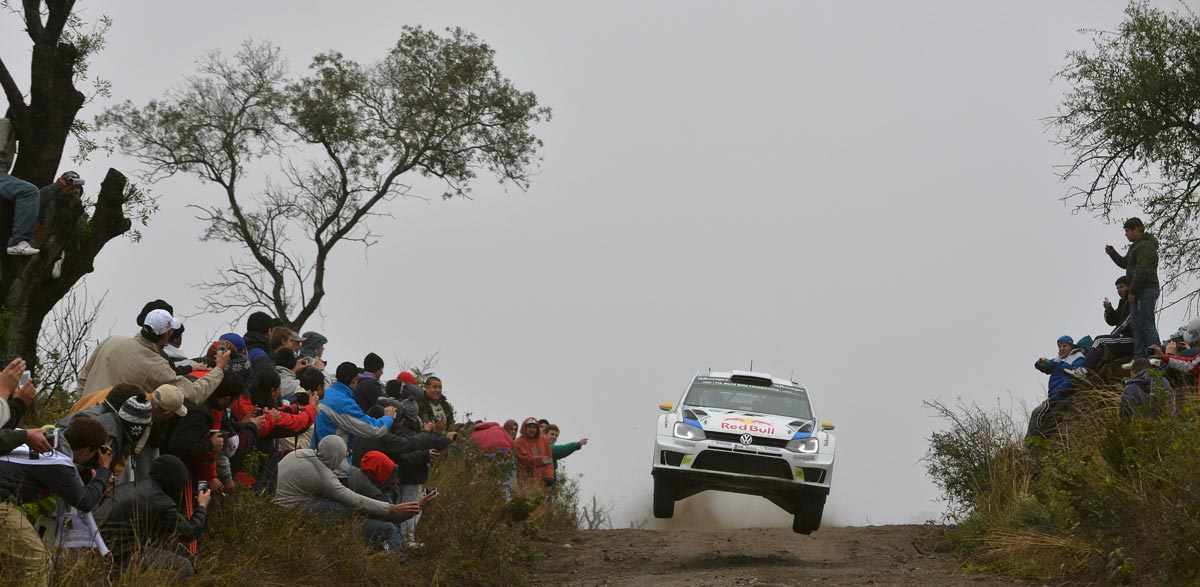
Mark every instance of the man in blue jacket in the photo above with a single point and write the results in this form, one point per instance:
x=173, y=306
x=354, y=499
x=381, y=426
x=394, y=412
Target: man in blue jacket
x=1044, y=419
x=339, y=414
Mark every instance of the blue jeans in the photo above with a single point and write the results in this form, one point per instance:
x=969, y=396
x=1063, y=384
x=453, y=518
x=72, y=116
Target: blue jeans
x=1141, y=319
x=24, y=197
x=377, y=533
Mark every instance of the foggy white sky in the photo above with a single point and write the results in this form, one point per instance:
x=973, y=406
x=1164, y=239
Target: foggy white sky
x=859, y=192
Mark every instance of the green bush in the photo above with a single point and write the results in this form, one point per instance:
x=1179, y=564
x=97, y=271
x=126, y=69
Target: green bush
x=1109, y=499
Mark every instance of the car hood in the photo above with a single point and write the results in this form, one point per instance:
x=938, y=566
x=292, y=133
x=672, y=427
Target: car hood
x=738, y=422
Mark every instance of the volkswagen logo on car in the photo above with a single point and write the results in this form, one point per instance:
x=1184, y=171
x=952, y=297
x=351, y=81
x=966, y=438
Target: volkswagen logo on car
x=747, y=439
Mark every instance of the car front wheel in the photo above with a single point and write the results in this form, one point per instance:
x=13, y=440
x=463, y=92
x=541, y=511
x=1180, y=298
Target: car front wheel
x=808, y=513
x=664, y=497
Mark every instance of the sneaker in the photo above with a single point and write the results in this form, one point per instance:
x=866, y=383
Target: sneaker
x=23, y=249
x=1081, y=373
x=56, y=271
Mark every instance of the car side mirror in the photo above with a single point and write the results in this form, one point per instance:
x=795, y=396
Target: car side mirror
x=826, y=424
x=666, y=406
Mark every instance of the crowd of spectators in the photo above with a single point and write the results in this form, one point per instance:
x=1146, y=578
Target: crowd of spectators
x=156, y=436
x=1155, y=368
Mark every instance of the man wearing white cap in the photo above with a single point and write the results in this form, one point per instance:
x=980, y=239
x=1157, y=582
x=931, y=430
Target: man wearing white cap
x=137, y=361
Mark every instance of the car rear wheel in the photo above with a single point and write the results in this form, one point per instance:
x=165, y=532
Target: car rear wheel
x=808, y=514
x=664, y=497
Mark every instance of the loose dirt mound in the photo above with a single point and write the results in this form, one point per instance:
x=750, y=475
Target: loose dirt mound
x=874, y=555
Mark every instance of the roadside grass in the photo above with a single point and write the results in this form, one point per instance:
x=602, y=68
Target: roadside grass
x=1108, y=500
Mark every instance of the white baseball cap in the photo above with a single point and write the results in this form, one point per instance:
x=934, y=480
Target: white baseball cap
x=160, y=321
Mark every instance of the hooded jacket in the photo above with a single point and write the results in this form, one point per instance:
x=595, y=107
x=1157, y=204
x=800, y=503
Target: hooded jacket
x=1148, y=390
x=191, y=440
x=288, y=384
x=535, y=461
x=339, y=414
x=150, y=512
x=121, y=359
x=1140, y=263
x=1061, y=385
x=491, y=438
x=307, y=476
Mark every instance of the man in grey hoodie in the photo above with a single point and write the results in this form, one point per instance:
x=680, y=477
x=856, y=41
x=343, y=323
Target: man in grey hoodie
x=1140, y=263
x=309, y=479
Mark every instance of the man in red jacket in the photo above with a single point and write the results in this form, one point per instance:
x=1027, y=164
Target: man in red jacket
x=535, y=462
x=491, y=438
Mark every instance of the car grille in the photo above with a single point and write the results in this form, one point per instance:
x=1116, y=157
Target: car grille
x=732, y=462
x=737, y=438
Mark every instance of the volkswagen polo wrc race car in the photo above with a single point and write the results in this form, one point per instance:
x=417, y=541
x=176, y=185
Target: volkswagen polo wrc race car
x=744, y=432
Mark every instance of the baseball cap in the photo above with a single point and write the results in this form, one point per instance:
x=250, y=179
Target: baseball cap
x=296, y=337
x=160, y=321
x=170, y=398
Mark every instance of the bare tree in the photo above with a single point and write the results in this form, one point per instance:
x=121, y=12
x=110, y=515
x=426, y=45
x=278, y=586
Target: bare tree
x=66, y=343
x=343, y=138
x=42, y=121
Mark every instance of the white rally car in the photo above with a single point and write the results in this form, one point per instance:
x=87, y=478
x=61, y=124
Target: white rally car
x=746, y=433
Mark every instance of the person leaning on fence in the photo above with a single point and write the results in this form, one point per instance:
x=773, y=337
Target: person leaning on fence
x=1044, y=419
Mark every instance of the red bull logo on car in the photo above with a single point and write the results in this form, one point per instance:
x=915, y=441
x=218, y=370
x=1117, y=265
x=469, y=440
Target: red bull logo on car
x=747, y=424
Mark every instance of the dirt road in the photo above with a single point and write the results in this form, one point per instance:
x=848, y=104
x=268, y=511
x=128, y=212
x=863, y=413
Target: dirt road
x=873, y=555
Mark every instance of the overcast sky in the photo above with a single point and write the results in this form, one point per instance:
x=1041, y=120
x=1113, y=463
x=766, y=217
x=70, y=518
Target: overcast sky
x=862, y=194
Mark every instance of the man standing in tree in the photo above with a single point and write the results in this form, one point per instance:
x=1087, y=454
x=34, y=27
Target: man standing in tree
x=1141, y=267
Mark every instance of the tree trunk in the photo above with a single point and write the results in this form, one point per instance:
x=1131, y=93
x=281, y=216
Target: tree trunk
x=28, y=291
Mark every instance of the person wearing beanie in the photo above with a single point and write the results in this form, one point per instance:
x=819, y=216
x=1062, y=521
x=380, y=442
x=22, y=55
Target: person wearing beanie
x=138, y=361
x=407, y=377
x=340, y=414
x=125, y=414
x=1044, y=419
x=149, y=518
x=535, y=461
x=258, y=344
x=368, y=389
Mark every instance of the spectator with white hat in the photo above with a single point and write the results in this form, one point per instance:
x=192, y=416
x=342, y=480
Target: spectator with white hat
x=138, y=361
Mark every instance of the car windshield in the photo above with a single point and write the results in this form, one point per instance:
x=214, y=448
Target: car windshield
x=751, y=398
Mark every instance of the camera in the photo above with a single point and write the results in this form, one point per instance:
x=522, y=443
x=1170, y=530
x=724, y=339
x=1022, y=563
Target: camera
x=75, y=180
x=25, y=377
x=258, y=412
x=224, y=346
x=201, y=487
x=430, y=490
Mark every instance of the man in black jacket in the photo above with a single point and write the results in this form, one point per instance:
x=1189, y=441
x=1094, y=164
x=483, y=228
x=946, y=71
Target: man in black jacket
x=1140, y=263
x=368, y=390
x=148, y=516
x=1117, y=345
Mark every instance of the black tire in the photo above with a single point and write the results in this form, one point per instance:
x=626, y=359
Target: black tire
x=664, y=498
x=808, y=514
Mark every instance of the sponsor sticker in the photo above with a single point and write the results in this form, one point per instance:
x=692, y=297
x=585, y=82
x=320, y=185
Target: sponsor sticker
x=748, y=425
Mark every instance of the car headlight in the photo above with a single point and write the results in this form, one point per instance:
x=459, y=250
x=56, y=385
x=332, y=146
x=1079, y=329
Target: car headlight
x=805, y=445
x=688, y=432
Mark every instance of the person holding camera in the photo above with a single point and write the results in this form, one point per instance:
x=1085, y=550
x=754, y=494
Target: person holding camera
x=27, y=474
x=149, y=518
x=138, y=360
x=199, y=437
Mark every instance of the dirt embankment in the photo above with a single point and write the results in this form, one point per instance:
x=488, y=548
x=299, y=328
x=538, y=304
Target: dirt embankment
x=872, y=555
